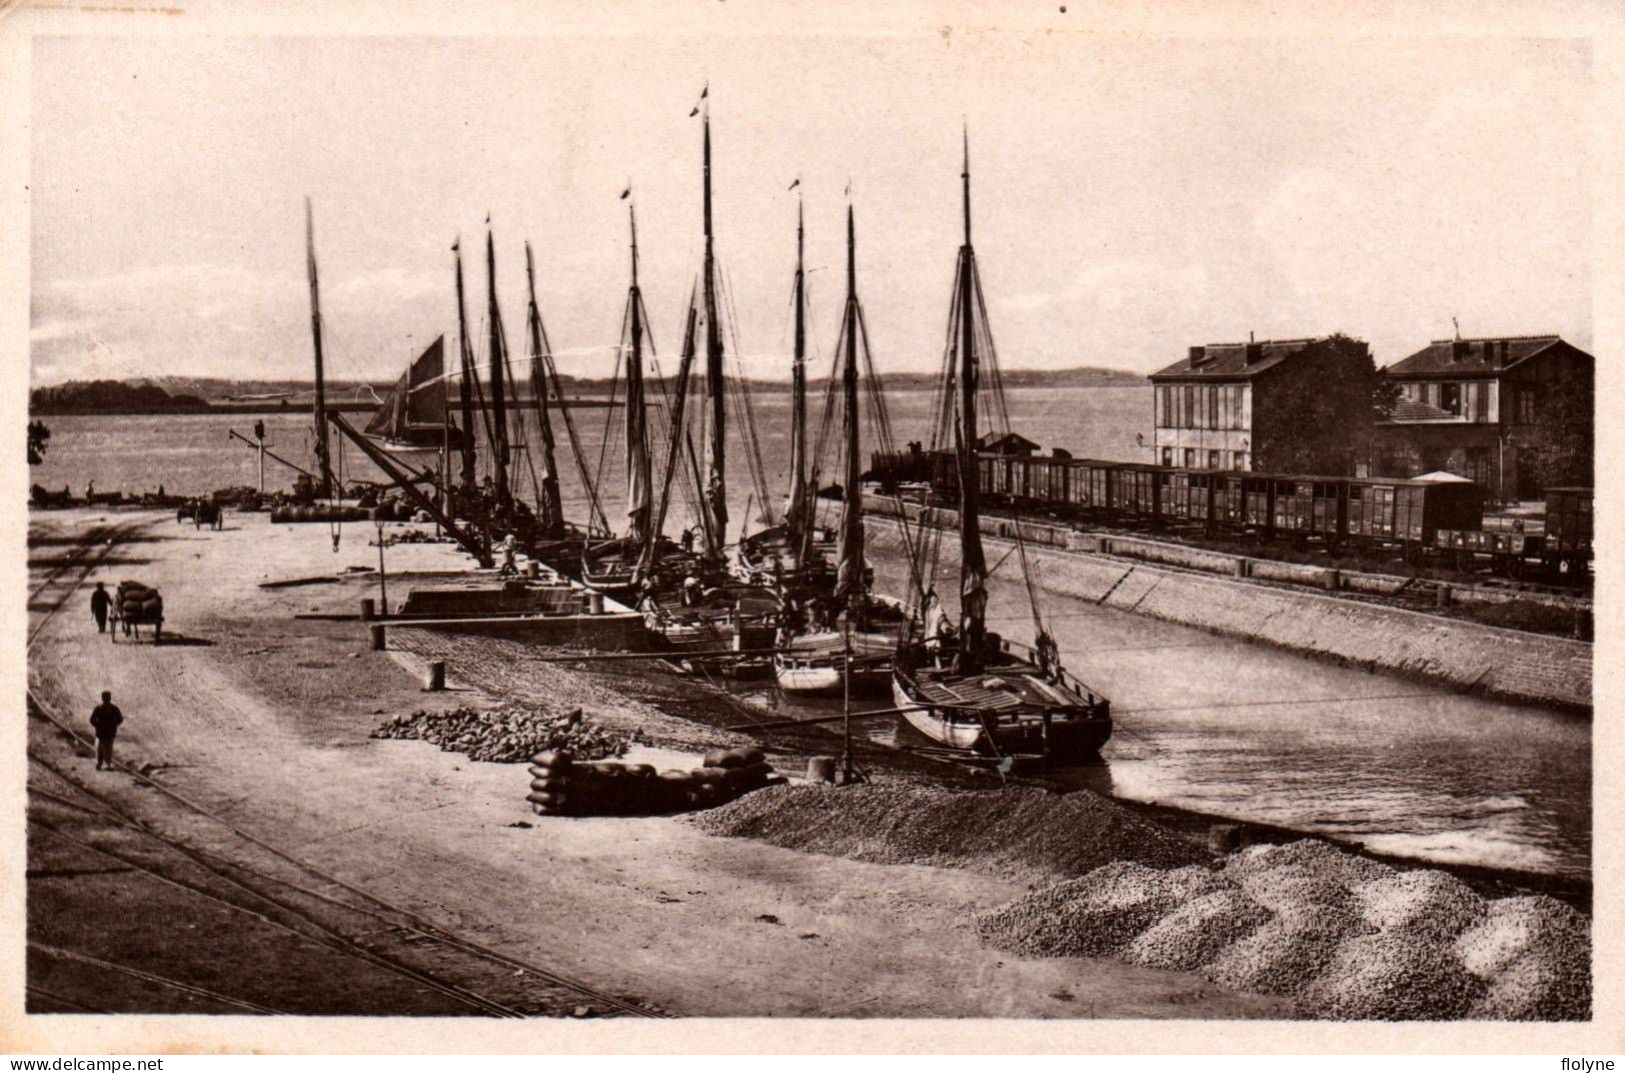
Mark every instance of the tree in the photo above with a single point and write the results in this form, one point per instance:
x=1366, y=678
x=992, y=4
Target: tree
x=39, y=438
x=1316, y=411
x=1562, y=440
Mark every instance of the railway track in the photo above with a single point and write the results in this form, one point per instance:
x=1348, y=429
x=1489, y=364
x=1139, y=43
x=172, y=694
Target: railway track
x=279, y=887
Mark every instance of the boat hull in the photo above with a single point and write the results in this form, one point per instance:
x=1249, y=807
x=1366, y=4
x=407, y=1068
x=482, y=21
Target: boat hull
x=1072, y=736
x=825, y=679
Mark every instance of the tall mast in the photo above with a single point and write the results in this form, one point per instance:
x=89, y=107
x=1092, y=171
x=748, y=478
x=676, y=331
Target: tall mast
x=795, y=518
x=324, y=468
x=550, y=509
x=849, y=577
x=973, y=571
x=465, y=383
x=499, y=411
x=716, y=491
x=679, y=439
x=637, y=443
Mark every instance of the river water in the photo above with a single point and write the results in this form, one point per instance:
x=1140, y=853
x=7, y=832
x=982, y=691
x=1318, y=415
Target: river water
x=1205, y=723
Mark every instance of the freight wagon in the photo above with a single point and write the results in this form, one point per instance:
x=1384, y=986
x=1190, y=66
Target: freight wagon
x=1421, y=518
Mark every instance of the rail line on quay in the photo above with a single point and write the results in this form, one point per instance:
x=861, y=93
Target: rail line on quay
x=420, y=934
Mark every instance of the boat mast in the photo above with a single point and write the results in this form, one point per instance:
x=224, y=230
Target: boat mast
x=637, y=444
x=849, y=576
x=324, y=468
x=679, y=439
x=550, y=509
x=973, y=570
x=796, y=522
x=465, y=386
x=499, y=412
x=716, y=490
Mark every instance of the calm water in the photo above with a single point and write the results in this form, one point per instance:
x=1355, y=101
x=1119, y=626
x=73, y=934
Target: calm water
x=1205, y=723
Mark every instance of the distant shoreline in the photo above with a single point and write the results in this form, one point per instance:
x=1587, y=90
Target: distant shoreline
x=109, y=398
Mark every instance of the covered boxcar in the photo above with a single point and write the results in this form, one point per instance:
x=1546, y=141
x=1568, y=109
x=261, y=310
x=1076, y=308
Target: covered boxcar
x=1568, y=524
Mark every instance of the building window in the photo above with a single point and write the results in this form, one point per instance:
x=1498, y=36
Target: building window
x=1190, y=458
x=1238, y=400
x=1212, y=406
x=1168, y=456
x=1525, y=408
x=1188, y=407
x=1450, y=398
x=1239, y=460
x=1213, y=460
x=1163, y=418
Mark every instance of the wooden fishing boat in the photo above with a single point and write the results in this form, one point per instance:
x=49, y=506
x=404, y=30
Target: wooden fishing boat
x=852, y=634
x=969, y=688
x=693, y=601
x=413, y=420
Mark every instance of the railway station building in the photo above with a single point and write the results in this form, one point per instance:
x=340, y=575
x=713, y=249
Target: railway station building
x=1479, y=408
x=1218, y=407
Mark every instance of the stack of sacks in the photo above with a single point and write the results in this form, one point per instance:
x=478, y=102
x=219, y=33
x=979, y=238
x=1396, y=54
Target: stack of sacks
x=559, y=785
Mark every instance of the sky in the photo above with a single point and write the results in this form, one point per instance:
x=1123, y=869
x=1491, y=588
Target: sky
x=1132, y=195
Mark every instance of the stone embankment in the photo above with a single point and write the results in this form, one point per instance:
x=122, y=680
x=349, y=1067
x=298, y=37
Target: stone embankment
x=1189, y=586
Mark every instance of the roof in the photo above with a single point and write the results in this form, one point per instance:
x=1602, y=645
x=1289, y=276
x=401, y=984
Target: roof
x=1412, y=410
x=1228, y=361
x=1479, y=356
x=991, y=442
x=1440, y=476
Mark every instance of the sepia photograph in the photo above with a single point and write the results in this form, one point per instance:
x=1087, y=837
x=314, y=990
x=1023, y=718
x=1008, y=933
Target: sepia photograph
x=1032, y=514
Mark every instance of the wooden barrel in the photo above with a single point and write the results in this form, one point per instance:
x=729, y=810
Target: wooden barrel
x=821, y=769
x=437, y=676
x=377, y=631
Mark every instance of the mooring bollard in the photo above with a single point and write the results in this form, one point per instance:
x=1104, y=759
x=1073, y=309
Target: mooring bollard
x=595, y=603
x=821, y=769
x=533, y=569
x=367, y=609
x=1241, y=567
x=437, y=676
x=1223, y=838
x=377, y=629
x=1443, y=594
x=1333, y=579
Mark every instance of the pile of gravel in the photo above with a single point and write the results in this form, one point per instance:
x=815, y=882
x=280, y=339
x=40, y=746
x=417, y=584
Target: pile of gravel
x=1094, y=916
x=1534, y=953
x=506, y=735
x=1391, y=976
x=1019, y=833
x=1285, y=955
x=1425, y=903
x=1345, y=937
x=1195, y=933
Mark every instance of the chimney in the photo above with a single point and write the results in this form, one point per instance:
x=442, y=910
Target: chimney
x=1459, y=349
x=1255, y=352
x=1197, y=353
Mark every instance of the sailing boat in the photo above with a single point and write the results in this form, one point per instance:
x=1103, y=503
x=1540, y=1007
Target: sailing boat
x=693, y=602
x=816, y=659
x=796, y=553
x=413, y=419
x=973, y=689
x=613, y=567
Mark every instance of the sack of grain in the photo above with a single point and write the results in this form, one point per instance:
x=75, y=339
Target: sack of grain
x=743, y=756
x=541, y=797
x=551, y=785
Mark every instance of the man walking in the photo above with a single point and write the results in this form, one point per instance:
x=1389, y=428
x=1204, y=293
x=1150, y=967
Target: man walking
x=105, y=717
x=99, y=603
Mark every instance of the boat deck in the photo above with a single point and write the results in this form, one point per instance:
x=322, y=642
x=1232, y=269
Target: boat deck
x=1000, y=689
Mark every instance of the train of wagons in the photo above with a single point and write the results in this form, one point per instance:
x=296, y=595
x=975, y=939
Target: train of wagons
x=1421, y=519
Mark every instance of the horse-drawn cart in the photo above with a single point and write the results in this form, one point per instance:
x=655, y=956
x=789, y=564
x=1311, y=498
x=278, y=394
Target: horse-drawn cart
x=134, y=606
